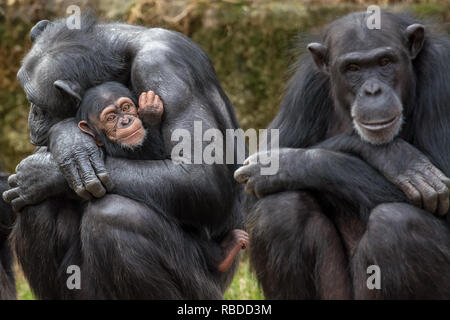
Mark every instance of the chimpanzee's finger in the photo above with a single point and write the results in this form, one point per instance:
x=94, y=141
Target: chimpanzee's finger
x=262, y=186
x=250, y=187
x=10, y=195
x=443, y=194
x=150, y=98
x=157, y=101
x=89, y=178
x=444, y=201
x=440, y=175
x=429, y=195
x=244, y=173
x=13, y=181
x=18, y=203
x=99, y=166
x=142, y=99
x=411, y=192
x=70, y=172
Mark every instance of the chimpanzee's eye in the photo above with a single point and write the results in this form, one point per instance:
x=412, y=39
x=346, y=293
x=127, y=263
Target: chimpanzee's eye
x=352, y=67
x=126, y=107
x=111, y=117
x=384, y=62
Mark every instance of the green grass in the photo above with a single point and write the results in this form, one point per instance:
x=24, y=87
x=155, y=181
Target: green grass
x=23, y=289
x=243, y=287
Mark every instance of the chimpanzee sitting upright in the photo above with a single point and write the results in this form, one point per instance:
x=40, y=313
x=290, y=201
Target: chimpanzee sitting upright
x=372, y=118
x=108, y=113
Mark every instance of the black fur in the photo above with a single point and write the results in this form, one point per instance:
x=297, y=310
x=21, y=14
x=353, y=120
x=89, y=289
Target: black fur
x=146, y=240
x=7, y=284
x=318, y=243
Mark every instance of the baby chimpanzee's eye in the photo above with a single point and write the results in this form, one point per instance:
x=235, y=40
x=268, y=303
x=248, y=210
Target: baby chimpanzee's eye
x=111, y=117
x=126, y=107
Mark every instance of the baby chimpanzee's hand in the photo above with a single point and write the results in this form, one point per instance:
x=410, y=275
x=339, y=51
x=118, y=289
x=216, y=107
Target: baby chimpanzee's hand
x=150, y=108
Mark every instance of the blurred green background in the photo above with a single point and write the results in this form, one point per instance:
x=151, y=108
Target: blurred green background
x=250, y=42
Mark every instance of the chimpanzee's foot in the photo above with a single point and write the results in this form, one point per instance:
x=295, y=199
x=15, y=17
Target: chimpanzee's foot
x=150, y=108
x=232, y=244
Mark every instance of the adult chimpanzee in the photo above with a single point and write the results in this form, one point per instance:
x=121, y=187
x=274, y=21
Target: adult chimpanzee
x=109, y=114
x=393, y=86
x=125, y=249
x=7, y=285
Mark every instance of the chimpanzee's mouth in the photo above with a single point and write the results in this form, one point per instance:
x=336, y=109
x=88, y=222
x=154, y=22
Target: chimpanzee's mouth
x=131, y=135
x=379, y=124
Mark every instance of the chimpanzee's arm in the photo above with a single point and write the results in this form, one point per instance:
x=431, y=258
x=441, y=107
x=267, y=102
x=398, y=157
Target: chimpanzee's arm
x=344, y=176
x=189, y=192
x=403, y=165
x=326, y=168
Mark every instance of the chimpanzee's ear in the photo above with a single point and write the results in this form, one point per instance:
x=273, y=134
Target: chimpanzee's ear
x=70, y=88
x=38, y=28
x=415, y=34
x=320, y=55
x=84, y=126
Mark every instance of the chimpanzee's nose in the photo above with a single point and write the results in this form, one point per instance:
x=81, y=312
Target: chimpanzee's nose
x=372, y=88
x=126, y=121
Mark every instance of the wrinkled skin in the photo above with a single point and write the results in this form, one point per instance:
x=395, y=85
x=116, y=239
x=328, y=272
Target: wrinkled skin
x=425, y=185
x=46, y=175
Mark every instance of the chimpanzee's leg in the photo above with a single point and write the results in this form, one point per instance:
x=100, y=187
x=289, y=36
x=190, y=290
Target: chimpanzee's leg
x=296, y=250
x=412, y=249
x=7, y=285
x=46, y=241
x=222, y=255
x=233, y=243
x=132, y=252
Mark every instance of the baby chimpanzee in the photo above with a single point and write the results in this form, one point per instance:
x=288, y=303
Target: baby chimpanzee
x=108, y=113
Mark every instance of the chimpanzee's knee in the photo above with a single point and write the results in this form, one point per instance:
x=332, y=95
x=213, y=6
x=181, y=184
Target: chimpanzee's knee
x=412, y=249
x=401, y=221
x=114, y=211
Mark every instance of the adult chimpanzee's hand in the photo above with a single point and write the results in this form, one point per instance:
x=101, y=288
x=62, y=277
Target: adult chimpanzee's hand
x=288, y=177
x=79, y=159
x=37, y=177
x=410, y=170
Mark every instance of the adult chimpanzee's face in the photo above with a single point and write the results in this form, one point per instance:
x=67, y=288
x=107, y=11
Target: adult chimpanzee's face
x=371, y=75
x=51, y=99
x=370, y=85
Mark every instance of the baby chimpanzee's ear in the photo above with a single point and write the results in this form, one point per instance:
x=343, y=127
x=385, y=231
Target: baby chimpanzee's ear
x=84, y=126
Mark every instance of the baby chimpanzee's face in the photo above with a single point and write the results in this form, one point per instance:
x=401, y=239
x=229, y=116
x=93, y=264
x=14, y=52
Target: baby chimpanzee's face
x=117, y=122
x=121, y=124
